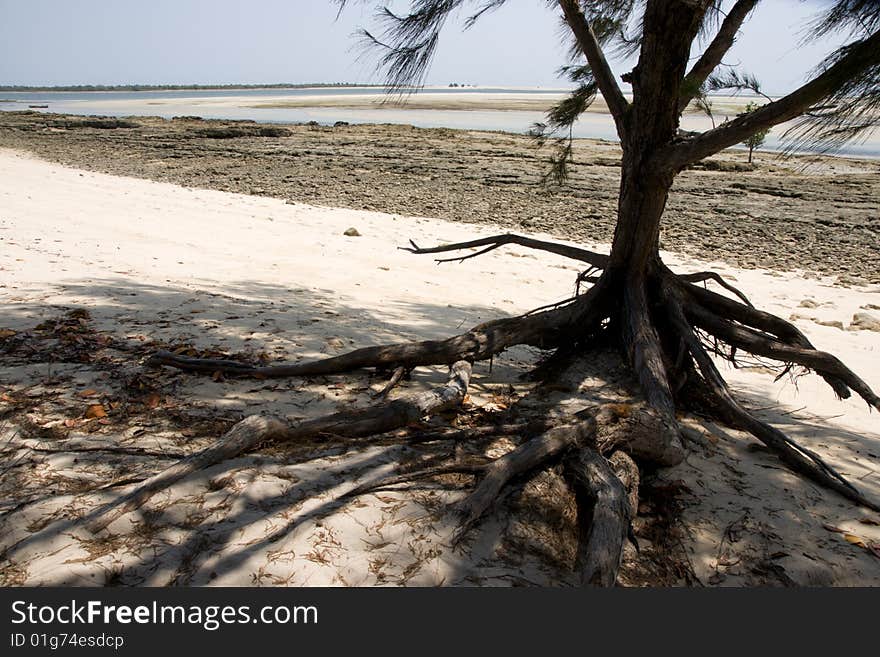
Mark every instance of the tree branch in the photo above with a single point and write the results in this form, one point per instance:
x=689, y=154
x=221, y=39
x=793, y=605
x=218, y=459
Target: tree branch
x=597, y=260
x=589, y=44
x=860, y=55
x=713, y=55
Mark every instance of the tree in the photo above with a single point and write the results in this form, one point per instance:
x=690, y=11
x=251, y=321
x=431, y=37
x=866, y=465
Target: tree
x=664, y=325
x=757, y=139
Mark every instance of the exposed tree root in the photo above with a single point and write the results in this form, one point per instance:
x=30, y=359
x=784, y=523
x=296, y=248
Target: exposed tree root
x=597, y=260
x=524, y=459
x=396, y=376
x=661, y=322
x=474, y=433
x=604, y=516
x=245, y=435
x=255, y=430
x=627, y=471
x=409, y=477
x=545, y=329
x=759, y=344
x=606, y=490
x=799, y=458
x=644, y=351
x=758, y=319
x=713, y=276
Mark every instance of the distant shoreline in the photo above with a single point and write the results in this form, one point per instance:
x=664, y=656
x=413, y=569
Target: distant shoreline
x=776, y=214
x=465, y=108
x=188, y=87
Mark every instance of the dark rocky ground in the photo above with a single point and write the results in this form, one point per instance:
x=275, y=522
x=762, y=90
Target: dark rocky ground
x=821, y=215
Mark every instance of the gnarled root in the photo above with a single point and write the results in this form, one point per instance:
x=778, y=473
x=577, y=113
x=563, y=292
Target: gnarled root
x=662, y=323
x=524, y=459
x=255, y=430
x=596, y=260
x=546, y=329
x=606, y=490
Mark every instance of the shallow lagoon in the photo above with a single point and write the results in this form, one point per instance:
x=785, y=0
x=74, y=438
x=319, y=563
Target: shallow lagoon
x=327, y=105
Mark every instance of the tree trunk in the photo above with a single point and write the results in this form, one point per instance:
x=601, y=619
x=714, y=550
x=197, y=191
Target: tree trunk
x=653, y=122
x=643, y=194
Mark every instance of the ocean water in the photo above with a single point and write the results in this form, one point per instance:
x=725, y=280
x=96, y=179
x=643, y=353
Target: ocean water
x=235, y=105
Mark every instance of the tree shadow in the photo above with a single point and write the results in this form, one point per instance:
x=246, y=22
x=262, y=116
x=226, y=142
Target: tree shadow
x=252, y=320
x=279, y=516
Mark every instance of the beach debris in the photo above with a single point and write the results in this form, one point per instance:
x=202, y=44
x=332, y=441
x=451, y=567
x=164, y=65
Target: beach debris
x=864, y=322
x=335, y=343
x=352, y=232
x=870, y=546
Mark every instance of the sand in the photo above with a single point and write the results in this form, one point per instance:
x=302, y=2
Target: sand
x=814, y=215
x=160, y=263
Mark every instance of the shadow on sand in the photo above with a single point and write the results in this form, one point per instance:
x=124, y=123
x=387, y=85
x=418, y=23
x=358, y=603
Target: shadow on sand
x=277, y=517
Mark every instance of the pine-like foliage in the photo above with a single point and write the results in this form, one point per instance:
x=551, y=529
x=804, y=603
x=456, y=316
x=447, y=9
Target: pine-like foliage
x=406, y=43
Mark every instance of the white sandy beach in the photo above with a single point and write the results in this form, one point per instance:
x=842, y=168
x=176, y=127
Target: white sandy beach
x=537, y=100
x=160, y=262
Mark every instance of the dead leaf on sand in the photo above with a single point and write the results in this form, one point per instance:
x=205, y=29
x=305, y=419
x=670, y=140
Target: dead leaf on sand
x=96, y=411
x=854, y=539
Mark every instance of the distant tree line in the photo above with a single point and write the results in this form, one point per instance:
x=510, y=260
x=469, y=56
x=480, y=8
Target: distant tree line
x=180, y=87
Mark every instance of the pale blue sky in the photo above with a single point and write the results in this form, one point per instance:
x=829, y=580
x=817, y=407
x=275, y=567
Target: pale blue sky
x=55, y=42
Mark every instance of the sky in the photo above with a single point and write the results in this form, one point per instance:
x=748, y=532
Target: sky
x=55, y=42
